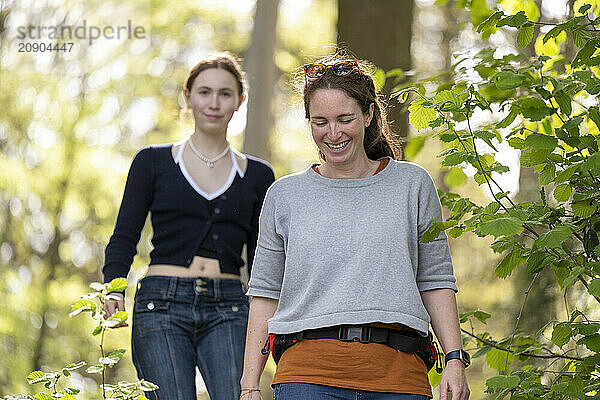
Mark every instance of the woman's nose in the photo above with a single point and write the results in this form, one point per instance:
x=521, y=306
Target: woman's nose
x=334, y=131
x=214, y=102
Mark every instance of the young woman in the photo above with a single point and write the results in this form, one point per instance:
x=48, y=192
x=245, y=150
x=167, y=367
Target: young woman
x=204, y=200
x=340, y=274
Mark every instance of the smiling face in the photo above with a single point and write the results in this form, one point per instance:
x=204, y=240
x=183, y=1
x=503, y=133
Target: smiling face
x=338, y=126
x=213, y=98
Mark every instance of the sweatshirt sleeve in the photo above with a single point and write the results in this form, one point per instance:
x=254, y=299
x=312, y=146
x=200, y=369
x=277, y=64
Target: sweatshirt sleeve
x=269, y=259
x=435, y=265
x=267, y=179
x=135, y=205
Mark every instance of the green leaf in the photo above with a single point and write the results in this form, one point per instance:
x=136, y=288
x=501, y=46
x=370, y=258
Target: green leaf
x=548, y=174
x=490, y=21
x=533, y=108
x=497, y=383
x=562, y=192
x=496, y=359
x=97, y=330
x=43, y=396
x=36, y=377
x=564, y=102
x=592, y=342
x=538, y=141
x=515, y=21
x=487, y=137
x=147, y=386
x=434, y=230
x=118, y=285
x=501, y=226
x=594, y=115
x=491, y=208
x=553, y=238
x=566, y=174
x=379, y=79
x=482, y=316
x=584, y=9
x=455, y=158
x=95, y=369
x=525, y=35
x=509, y=263
x=414, y=146
x=583, y=209
x=82, y=305
x=505, y=123
x=561, y=334
x=552, y=33
x=594, y=287
x=419, y=116
x=455, y=232
x=505, y=80
x=592, y=163
x=537, y=261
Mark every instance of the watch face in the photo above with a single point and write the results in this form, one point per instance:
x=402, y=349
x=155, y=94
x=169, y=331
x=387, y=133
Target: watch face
x=465, y=357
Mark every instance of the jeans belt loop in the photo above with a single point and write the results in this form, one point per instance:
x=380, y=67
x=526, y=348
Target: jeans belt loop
x=172, y=287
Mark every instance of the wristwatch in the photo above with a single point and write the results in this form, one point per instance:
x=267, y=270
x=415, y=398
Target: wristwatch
x=459, y=355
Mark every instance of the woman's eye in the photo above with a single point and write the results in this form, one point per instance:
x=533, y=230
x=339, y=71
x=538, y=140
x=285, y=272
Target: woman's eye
x=204, y=92
x=319, y=123
x=346, y=121
x=226, y=94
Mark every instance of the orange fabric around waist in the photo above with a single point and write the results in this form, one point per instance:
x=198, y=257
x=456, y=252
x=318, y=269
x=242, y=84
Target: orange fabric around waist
x=353, y=365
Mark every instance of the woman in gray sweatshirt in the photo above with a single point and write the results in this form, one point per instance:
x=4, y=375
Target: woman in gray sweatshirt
x=340, y=271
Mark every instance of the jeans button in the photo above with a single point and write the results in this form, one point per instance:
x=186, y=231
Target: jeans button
x=150, y=306
x=215, y=236
x=217, y=211
x=234, y=308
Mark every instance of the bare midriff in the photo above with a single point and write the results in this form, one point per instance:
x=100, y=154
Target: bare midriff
x=201, y=267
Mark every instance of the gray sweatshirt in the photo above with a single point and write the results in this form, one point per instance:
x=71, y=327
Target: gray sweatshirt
x=347, y=251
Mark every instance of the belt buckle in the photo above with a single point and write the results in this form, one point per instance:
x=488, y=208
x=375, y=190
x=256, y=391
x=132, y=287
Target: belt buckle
x=353, y=333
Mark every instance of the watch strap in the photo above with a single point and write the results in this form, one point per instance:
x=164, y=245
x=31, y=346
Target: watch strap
x=458, y=355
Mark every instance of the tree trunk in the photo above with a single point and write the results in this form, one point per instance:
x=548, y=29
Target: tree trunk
x=261, y=76
x=381, y=32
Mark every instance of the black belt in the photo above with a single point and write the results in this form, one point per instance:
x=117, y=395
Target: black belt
x=403, y=340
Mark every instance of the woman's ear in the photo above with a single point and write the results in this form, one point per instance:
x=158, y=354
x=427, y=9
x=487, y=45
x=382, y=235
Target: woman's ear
x=241, y=101
x=186, y=96
x=369, y=114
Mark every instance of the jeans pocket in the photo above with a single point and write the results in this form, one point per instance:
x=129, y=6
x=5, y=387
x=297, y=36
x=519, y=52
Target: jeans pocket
x=150, y=314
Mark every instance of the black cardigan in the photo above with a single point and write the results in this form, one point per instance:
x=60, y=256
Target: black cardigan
x=181, y=217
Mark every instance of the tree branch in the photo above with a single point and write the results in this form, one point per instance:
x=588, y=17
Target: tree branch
x=533, y=355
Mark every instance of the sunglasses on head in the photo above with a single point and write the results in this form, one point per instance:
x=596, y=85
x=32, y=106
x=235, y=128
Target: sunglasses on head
x=312, y=72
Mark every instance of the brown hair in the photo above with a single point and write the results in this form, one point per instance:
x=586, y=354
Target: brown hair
x=379, y=139
x=224, y=61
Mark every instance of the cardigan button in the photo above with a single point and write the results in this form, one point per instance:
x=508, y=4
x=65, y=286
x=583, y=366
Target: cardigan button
x=217, y=210
x=215, y=236
x=150, y=306
x=224, y=197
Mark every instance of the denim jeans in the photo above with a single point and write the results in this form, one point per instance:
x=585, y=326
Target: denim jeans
x=303, y=391
x=181, y=323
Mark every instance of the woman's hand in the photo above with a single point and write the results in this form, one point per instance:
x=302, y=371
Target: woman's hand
x=454, y=380
x=112, y=306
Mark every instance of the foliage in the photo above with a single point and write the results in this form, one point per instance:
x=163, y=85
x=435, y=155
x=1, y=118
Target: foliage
x=92, y=304
x=549, y=111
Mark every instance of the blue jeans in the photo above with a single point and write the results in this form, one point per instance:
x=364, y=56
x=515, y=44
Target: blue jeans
x=181, y=323
x=303, y=391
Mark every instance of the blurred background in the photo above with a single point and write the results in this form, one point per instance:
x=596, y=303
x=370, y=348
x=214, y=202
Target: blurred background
x=71, y=119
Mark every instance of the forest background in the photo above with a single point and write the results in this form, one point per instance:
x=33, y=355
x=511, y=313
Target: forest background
x=72, y=120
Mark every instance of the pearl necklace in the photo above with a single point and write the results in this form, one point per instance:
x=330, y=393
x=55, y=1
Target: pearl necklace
x=209, y=161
